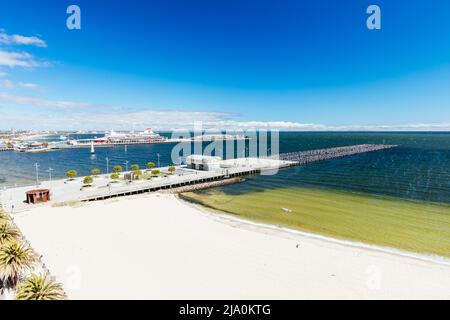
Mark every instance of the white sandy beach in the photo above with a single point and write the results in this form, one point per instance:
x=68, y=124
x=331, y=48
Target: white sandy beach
x=158, y=247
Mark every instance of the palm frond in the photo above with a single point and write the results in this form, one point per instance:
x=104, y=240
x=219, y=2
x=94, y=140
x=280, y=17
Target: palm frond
x=8, y=233
x=15, y=258
x=4, y=216
x=40, y=287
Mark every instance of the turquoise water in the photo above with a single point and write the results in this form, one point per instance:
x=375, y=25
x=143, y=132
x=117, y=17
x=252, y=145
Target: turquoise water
x=418, y=169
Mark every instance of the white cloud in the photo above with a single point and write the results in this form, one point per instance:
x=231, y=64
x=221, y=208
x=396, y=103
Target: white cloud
x=40, y=102
x=7, y=84
x=16, y=39
x=20, y=59
x=83, y=116
x=71, y=115
x=28, y=85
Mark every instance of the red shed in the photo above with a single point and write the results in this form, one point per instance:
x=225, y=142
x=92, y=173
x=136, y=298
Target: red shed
x=40, y=195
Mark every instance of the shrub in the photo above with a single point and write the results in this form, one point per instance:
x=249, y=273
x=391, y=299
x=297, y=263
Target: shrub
x=172, y=169
x=135, y=167
x=115, y=176
x=71, y=174
x=117, y=169
x=156, y=171
x=88, y=180
x=95, y=172
x=150, y=165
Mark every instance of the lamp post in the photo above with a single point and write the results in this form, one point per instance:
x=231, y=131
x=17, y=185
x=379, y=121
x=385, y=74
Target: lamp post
x=36, y=165
x=50, y=174
x=158, y=160
x=126, y=166
x=107, y=165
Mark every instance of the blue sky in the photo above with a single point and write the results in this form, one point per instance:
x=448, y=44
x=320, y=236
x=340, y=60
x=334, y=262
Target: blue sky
x=292, y=65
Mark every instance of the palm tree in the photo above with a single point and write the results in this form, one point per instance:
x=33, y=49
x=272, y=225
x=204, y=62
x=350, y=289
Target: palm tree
x=40, y=287
x=4, y=217
x=8, y=233
x=15, y=258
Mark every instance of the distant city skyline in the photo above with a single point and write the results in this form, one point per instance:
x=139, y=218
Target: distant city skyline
x=287, y=65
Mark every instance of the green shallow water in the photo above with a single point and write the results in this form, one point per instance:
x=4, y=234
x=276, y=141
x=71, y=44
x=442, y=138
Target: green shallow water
x=418, y=227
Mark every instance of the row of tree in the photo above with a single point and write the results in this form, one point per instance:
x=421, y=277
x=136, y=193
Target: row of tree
x=72, y=174
x=17, y=258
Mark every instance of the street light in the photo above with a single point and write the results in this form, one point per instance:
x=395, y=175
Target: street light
x=50, y=174
x=126, y=165
x=158, y=160
x=36, y=165
x=107, y=165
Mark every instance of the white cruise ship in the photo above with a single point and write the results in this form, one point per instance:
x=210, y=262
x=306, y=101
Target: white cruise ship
x=146, y=136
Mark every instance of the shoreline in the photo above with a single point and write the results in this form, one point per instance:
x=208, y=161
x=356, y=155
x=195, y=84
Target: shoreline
x=226, y=217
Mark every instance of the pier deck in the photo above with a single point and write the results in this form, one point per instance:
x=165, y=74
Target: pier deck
x=63, y=191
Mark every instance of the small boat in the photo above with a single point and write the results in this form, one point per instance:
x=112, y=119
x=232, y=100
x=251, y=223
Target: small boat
x=286, y=210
